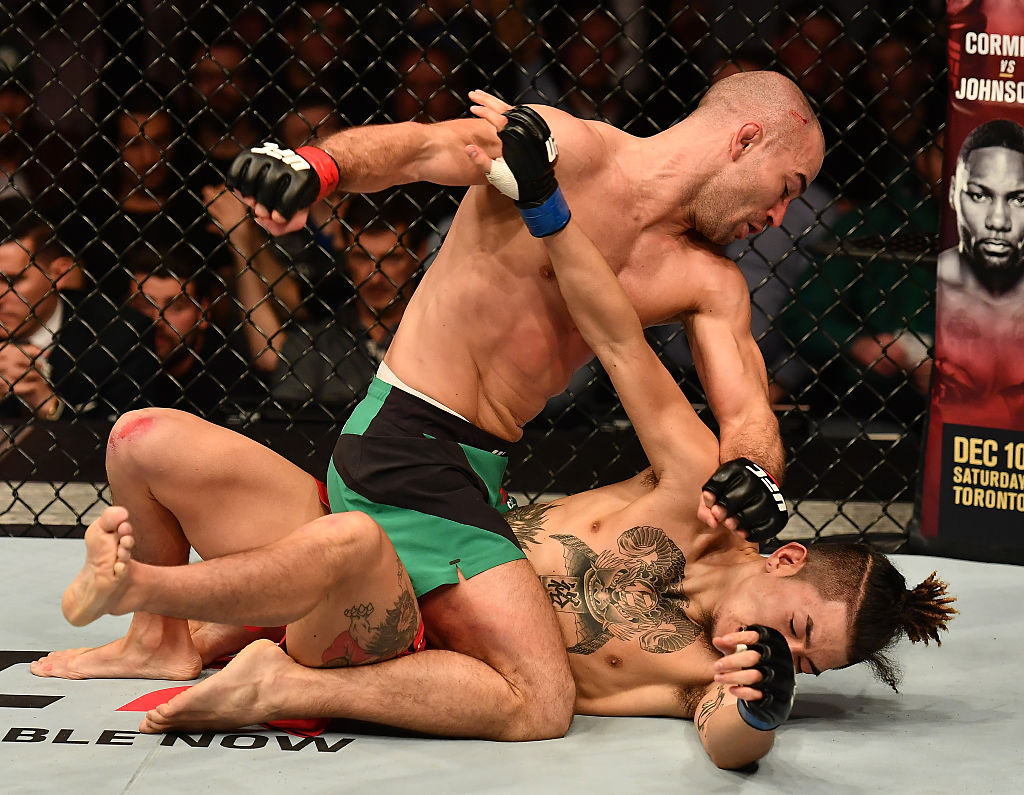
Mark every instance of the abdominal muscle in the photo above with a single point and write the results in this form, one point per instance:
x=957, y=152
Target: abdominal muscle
x=489, y=338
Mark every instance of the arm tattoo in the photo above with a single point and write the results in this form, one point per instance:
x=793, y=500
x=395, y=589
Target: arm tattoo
x=527, y=521
x=709, y=708
x=634, y=591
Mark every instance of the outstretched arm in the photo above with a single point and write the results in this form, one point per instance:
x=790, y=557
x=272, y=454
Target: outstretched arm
x=280, y=184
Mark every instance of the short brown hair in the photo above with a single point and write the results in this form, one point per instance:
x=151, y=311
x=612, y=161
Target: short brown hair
x=883, y=609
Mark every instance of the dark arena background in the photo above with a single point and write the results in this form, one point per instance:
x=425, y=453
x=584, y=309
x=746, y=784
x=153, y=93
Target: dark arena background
x=102, y=101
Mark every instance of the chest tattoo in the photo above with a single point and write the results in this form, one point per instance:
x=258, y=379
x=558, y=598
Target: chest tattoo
x=527, y=521
x=631, y=592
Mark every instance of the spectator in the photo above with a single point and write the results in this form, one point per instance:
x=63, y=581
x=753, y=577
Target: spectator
x=200, y=368
x=864, y=326
x=431, y=85
x=814, y=50
x=60, y=350
x=140, y=196
x=302, y=266
x=328, y=362
x=218, y=104
x=680, y=57
x=592, y=59
x=324, y=49
x=19, y=130
x=900, y=107
x=527, y=73
x=466, y=30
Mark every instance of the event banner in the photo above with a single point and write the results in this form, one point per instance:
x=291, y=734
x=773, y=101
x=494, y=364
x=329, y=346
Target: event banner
x=972, y=495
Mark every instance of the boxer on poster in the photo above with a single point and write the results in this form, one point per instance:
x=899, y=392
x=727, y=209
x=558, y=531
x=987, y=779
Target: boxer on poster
x=979, y=373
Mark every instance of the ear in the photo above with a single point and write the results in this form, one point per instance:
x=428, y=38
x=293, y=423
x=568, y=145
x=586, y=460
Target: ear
x=745, y=138
x=787, y=560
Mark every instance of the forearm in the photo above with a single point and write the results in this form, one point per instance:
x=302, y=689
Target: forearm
x=262, y=327
x=755, y=436
x=730, y=742
x=284, y=290
x=596, y=301
x=373, y=158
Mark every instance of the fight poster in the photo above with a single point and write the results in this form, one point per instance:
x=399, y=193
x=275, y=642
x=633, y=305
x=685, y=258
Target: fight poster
x=972, y=495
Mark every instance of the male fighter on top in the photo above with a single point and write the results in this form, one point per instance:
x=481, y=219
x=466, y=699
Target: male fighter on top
x=486, y=340
x=639, y=583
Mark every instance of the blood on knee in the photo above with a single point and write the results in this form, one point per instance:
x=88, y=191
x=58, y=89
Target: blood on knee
x=129, y=427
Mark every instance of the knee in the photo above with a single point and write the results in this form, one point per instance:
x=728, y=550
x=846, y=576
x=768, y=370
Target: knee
x=547, y=711
x=132, y=434
x=349, y=536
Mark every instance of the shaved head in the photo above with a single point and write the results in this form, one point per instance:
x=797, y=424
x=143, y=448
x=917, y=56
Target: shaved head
x=768, y=97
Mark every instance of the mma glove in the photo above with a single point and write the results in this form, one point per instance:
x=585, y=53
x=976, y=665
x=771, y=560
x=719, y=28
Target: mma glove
x=751, y=495
x=526, y=171
x=778, y=681
x=282, y=179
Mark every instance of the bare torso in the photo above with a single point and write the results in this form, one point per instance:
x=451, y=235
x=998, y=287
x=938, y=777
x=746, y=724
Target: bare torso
x=622, y=565
x=487, y=332
x=980, y=336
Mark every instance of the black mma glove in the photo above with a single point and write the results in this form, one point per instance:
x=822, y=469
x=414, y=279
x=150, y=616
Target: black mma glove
x=778, y=681
x=282, y=179
x=751, y=495
x=526, y=171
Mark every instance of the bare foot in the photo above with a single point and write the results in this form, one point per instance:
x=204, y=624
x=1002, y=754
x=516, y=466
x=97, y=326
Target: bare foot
x=103, y=580
x=230, y=699
x=121, y=659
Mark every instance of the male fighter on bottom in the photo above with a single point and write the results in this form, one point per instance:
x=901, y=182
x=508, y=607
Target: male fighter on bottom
x=661, y=614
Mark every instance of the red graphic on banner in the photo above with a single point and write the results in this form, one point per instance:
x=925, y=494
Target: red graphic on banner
x=971, y=490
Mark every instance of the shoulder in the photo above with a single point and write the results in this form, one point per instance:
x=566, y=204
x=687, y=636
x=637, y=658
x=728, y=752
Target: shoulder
x=718, y=279
x=576, y=136
x=948, y=267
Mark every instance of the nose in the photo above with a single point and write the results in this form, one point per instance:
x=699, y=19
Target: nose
x=777, y=212
x=998, y=219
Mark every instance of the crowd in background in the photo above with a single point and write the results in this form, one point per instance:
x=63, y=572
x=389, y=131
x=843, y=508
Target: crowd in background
x=133, y=278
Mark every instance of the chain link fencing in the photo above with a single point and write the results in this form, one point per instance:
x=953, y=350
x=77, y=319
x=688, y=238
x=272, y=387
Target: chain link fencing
x=148, y=287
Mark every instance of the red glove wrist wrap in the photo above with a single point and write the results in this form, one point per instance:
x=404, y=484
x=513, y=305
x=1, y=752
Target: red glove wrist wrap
x=324, y=165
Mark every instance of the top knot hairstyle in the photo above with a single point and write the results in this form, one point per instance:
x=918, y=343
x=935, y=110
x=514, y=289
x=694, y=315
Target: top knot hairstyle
x=883, y=608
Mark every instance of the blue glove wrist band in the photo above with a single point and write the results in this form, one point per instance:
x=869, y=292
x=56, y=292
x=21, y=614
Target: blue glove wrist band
x=550, y=217
x=750, y=720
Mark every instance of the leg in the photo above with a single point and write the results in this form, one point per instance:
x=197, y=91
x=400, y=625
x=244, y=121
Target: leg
x=505, y=678
x=186, y=482
x=336, y=582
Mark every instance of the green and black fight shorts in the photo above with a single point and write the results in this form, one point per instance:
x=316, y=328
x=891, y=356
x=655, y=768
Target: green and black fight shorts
x=431, y=480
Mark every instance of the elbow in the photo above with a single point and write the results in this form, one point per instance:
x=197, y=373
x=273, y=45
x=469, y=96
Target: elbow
x=730, y=763
x=739, y=750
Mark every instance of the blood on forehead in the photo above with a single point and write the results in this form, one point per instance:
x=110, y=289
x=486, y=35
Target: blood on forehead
x=800, y=118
